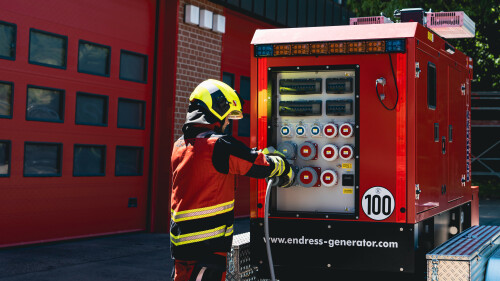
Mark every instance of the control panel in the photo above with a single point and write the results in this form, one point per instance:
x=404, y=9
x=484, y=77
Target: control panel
x=315, y=127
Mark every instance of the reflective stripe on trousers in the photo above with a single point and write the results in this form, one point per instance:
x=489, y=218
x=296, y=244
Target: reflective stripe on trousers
x=201, y=235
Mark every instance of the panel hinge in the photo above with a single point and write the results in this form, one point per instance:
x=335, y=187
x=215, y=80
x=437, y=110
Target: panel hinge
x=417, y=191
x=417, y=69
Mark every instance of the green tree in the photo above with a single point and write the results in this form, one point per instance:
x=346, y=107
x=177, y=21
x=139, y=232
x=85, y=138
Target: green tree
x=484, y=48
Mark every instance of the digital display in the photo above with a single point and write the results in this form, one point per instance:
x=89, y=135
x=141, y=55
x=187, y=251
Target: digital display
x=300, y=108
x=339, y=107
x=300, y=86
x=339, y=85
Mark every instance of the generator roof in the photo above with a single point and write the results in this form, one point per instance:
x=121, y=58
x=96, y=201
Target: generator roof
x=334, y=33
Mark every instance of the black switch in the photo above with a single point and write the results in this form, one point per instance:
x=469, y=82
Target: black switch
x=347, y=180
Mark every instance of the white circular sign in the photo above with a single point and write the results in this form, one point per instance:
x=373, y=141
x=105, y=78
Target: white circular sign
x=378, y=203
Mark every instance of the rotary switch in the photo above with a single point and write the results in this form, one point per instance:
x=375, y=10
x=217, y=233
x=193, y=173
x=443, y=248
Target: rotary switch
x=330, y=152
x=346, y=130
x=330, y=130
x=289, y=149
x=307, y=150
x=329, y=178
x=346, y=152
x=307, y=177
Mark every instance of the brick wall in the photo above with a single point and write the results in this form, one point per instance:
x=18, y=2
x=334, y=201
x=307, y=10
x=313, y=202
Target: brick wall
x=198, y=58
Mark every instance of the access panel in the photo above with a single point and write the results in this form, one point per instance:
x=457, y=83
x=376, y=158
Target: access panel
x=315, y=127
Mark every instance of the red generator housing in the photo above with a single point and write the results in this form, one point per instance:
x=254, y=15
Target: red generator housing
x=387, y=111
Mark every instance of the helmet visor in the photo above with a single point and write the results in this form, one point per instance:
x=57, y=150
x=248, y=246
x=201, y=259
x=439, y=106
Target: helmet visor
x=235, y=114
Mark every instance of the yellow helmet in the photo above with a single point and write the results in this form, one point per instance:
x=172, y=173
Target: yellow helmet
x=219, y=98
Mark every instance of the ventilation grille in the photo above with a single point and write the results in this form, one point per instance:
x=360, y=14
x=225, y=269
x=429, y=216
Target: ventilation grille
x=370, y=20
x=451, y=24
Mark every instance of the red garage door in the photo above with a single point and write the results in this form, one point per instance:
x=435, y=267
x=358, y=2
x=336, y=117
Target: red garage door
x=75, y=102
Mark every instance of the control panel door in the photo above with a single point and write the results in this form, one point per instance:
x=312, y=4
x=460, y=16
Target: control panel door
x=316, y=129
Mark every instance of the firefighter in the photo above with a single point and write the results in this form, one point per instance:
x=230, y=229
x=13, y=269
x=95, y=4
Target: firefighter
x=204, y=164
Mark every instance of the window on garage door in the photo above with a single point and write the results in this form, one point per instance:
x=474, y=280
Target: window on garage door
x=45, y=104
x=7, y=40
x=42, y=159
x=4, y=158
x=94, y=58
x=91, y=109
x=48, y=49
x=89, y=160
x=129, y=161
x=133, y=67
x=6, y=91
x=131, y=113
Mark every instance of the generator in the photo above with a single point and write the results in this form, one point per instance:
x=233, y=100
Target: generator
x=375, y=118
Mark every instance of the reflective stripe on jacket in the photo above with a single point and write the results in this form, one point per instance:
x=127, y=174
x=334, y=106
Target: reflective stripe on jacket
x=202, y=200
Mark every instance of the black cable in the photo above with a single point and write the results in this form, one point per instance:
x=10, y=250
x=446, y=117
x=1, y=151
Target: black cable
x=395, y=83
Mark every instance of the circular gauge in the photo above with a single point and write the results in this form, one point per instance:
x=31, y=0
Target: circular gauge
x=300, y=131
x=346, y=130
x=316, y=131
x=289, y=149
x=330, y=152
x=329, y=178
x=307, y=177
x=307, y=150
x=346, y=152
x=285, y=131
x=330, y=130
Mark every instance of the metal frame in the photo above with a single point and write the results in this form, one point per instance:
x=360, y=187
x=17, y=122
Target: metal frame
x=486, y=155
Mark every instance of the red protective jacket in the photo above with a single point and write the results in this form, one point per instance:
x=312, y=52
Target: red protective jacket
x=203, y=169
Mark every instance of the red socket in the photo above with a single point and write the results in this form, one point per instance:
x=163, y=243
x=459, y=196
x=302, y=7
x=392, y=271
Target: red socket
x=329, y=178
x=330, y=152
x=330, y=130
x=307, y=151
x=346, y=130
x=308, y=177
x=346, y=152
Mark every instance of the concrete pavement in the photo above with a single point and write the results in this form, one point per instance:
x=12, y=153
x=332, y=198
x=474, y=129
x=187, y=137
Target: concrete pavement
x=134, y=256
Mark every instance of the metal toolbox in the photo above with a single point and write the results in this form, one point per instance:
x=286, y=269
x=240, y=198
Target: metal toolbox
x=464, y=257
x=238, y=260
x=493, y=268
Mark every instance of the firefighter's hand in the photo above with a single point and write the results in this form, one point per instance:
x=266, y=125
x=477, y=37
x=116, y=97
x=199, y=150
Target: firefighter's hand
x=287, y=178
x=282, y=171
